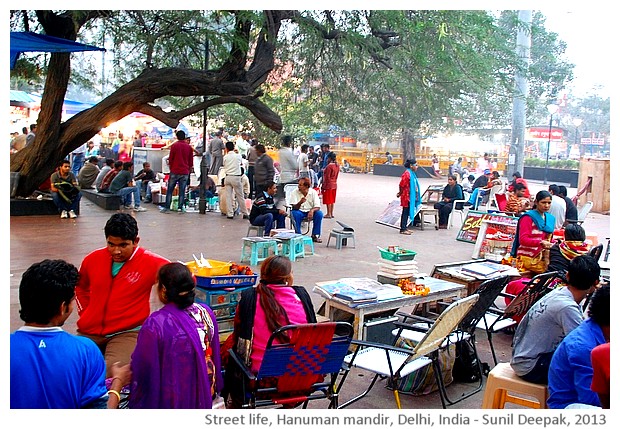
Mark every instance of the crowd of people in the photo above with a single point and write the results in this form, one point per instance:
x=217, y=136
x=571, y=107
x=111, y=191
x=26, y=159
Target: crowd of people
x=241, y=167
x=120, y=345
x=170, y=358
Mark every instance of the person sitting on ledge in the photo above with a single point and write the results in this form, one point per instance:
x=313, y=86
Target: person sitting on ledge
x=65, y=191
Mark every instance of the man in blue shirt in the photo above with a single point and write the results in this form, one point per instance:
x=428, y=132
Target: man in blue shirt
x=51, y=368
x=570, y=372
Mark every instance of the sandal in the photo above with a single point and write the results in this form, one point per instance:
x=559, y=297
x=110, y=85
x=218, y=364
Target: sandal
x=316, y=239
x=406, y=232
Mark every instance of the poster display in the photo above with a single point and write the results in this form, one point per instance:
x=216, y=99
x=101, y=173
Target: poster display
x=391, y=215
x=494, y=240
x=471, y=225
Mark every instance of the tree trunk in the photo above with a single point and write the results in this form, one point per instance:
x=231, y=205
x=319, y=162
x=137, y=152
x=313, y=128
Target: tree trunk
x=231, y=84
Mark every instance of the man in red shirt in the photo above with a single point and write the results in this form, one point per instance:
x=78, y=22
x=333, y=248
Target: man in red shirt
x=114, y=289
x=181, y=162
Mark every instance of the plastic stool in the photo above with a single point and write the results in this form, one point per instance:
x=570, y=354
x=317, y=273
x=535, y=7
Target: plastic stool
x=425, y=211
x=502, y=381
x=294, y=247
x=256, y=251
x=260, y=230
x=213, y=204
x=341, y=237
x=308, y=242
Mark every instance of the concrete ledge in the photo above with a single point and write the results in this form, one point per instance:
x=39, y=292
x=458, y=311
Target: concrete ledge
x=397, y=170
x=33, y=207
x=103, y=200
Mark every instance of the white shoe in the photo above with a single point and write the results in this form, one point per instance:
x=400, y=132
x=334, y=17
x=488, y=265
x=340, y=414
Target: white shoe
x=72, y=214
x=139, y=209
x=64, y=214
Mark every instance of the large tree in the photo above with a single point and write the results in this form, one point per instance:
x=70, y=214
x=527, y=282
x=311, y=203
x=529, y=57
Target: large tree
x=404, y=71
x=233, y=82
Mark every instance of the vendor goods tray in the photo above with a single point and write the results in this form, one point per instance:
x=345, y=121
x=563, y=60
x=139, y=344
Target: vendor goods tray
x=402, y=255
x=214, y=268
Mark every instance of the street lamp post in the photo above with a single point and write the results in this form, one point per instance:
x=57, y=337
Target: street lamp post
x=552, y=109
x=577, y=123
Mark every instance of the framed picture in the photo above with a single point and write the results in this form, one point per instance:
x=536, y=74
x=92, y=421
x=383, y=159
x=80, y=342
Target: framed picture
x=471, y=225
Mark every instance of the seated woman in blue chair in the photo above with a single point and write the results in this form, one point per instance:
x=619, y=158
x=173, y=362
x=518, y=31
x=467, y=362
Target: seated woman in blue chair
x=274, y=303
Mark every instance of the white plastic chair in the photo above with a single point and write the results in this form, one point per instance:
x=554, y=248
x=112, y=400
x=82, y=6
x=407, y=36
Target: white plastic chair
x=461, y=212
x=288, y=190
x=583, y=212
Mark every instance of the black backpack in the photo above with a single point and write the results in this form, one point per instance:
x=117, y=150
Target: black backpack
x=465, y=369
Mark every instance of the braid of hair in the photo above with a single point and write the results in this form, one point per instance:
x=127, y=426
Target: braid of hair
x=273, y=310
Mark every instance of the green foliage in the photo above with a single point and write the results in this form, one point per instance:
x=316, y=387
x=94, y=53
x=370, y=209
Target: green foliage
x=565, y=164
x=372, y=72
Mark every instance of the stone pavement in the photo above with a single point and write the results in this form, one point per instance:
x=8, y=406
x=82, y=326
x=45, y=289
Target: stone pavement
x=360, y=199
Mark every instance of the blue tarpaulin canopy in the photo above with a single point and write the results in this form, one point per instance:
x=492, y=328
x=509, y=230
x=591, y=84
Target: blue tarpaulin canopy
x=168, y=133
x=33, y=42
x=21, y=98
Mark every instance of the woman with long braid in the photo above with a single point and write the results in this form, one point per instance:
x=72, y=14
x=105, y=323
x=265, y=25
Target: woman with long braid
x=273, y=303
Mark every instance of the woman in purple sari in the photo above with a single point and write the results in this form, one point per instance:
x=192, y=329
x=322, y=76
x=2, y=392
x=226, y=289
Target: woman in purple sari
x=176, y=363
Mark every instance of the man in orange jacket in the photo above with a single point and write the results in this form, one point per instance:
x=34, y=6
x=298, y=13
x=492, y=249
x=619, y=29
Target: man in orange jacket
x=114, y=289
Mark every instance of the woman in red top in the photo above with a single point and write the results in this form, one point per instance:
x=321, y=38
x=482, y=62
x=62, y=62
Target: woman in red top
x=516, y=178
x=328, y=187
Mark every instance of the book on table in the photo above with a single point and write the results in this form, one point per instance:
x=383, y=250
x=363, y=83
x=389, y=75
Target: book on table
x=484, y=269
x=344, y=292
x=357, y=290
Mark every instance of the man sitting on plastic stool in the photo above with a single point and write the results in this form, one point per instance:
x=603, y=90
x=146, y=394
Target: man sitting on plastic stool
x=264, y=212
x=305, y=203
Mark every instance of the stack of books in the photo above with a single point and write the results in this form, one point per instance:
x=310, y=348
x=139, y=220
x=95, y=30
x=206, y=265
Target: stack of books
x=391, y=272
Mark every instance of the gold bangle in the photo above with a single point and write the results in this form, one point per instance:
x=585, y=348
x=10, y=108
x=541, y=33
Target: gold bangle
x=118, y=395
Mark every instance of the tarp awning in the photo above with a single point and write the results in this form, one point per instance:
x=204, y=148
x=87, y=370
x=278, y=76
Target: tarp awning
x=22, y=97
x=33, y=42
x=72, y=107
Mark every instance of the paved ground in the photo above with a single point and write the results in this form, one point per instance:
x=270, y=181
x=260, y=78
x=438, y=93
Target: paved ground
x=361, y=198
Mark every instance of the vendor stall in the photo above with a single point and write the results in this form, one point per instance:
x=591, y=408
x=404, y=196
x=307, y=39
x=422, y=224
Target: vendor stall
x=439, y=290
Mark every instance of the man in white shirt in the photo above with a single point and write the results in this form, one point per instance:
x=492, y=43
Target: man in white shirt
x=232, y=181
x=558, y=206
x=243, y=143
x=303, y=162
x=306, y=204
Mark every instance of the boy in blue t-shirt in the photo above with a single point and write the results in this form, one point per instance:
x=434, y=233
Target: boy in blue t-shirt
x=51, y=368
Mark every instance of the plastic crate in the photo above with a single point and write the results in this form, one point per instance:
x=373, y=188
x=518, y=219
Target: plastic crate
x=402, y=255
x=218, y=268
x=218, y=282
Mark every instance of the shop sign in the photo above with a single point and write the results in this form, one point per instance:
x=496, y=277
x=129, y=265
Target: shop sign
x=543, y=133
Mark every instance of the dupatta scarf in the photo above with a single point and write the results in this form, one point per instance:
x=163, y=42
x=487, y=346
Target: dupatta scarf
x=415, y=199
